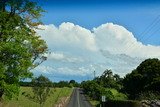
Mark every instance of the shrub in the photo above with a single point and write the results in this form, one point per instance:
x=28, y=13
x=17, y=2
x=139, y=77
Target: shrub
x=148, y=95
x=113, y=94
x=122, y=103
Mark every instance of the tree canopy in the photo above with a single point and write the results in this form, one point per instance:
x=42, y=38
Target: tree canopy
x=108, y=84
x=109, y=80
x=146, y=77
x=41, y=89
x=21, y=49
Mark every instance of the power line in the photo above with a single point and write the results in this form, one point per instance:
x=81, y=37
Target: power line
x=150, y=27
x=154, y=23
x=152, y=34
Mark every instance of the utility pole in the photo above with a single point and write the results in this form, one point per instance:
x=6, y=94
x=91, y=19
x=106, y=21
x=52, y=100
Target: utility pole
x=94, y=74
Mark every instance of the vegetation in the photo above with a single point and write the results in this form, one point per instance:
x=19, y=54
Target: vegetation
x=59, y=84
x=54, y=97
x=41, y=89
x=20, y=48
x=71, y=83
x=122, y=103
x=107, y=84
x=143, y=83
x=146, y=77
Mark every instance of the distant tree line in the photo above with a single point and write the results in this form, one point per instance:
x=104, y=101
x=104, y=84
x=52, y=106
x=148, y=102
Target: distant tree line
x=60, y=84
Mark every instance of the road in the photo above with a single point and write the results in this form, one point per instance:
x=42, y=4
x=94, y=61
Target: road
x=78, y=99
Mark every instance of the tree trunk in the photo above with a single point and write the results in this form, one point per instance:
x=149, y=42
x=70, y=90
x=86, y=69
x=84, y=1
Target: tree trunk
x=1, y=94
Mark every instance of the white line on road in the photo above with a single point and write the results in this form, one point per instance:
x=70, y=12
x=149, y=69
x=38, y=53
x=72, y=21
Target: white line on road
x=78, y=98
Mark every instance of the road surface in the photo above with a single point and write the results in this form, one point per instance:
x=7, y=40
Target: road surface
x=78, y=99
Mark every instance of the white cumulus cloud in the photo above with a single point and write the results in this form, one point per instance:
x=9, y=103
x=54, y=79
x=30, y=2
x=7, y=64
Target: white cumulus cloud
x=68, y=35
x=118, y=40
x=69, y=71
x=108, y=46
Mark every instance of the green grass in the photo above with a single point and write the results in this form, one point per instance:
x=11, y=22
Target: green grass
x=55, y=95
x=112, y=95
x=94, y=103
x=116, y=95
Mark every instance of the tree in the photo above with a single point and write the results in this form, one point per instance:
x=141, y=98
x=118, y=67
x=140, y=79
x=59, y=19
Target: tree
x=116, y=77
x=41, y=89
x=62, y=84
x=20, y=48
x=109, y=80
x=144, y=78
x=107, y=73
x=72, y=81
x=132, y=84
x=93, y=89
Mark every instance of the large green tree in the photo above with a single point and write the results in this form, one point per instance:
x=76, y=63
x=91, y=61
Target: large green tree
x=20, y=48
x=146, y=77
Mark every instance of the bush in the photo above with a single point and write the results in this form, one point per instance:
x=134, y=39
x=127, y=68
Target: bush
x=113, y=94
x=122, y=103
x=93, y=89
x=148, y=95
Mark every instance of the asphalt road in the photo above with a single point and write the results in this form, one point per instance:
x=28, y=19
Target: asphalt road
x=78, y=99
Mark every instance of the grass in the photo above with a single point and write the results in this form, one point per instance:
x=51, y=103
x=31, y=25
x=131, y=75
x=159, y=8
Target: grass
x=94, y=103
x=55, y=95
x=115, y=94
x=112, y=94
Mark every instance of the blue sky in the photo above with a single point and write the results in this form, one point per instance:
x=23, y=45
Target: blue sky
x=139, y=17
x=135, y=15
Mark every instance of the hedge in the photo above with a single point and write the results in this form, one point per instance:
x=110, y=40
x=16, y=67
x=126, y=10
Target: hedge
x=122, y=103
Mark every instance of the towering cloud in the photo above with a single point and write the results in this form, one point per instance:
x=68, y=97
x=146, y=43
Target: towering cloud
x=119, y=40
x=78, y=51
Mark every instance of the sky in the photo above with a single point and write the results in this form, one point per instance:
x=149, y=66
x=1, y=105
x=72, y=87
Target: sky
x=84, y=36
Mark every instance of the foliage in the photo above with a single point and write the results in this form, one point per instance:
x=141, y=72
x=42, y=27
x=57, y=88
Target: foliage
x=56, y=94
x=113, y=94
x=108, y=80
x=41, y=89
x=148, y=95
x=61, y=84
x=95, y=103
x=20, y=48
x=122, y=103
x=93, y=89
x=146, y=77
x=73, y=83
x=107, y=84
x=25, y=84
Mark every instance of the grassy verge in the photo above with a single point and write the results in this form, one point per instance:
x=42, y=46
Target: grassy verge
x=94, y=103
x=55, y=96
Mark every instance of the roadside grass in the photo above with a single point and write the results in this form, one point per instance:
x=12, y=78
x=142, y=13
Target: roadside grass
x=55, y=95
x=94, y=103
x=112, y=95
x=116, y=95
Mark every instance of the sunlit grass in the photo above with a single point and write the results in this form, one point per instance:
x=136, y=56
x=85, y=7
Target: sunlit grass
x=94, y=103
x=55, y=95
